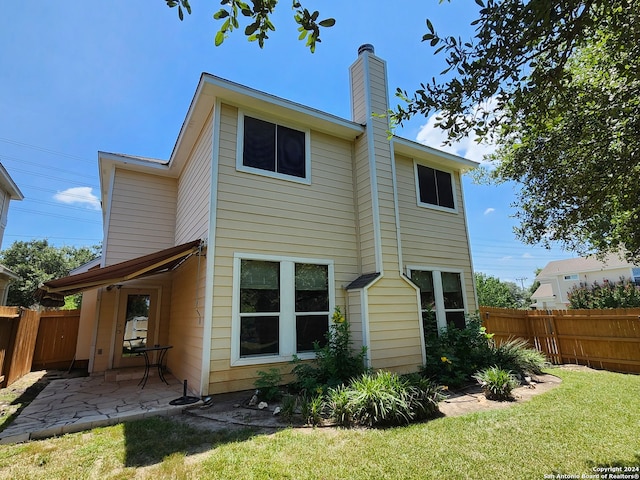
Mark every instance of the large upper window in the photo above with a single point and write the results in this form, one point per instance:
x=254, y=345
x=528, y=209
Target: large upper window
x=283, y=307
x=273, y=149
x=442, y=299
x=435, y=187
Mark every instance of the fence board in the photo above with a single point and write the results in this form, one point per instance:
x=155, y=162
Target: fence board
x=57, y=337
x=606, y=339
x=20, y=350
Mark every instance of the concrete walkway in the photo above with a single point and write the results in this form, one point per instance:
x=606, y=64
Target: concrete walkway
x=77, y=404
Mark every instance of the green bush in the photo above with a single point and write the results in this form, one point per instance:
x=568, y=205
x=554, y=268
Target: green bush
x=268, y=384
x=497, y=383
x=622, y=294
x=383, y=398
x=334, y=364
x=454, y=355
x=517, y=356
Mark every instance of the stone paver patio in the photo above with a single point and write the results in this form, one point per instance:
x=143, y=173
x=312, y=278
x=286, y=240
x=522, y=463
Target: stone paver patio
x=77, y=404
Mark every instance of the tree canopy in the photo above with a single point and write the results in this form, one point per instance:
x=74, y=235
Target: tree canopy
x=37, y=262
x=554, y=84
x=493, y=292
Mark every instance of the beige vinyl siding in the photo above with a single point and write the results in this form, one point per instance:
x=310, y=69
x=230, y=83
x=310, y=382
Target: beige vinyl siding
x=194, y=187
x=186, y=321
x=394, y=328
x=258, y=214
x=142, y=215
x=364, y=203
x=353, y=314
x=430, y=237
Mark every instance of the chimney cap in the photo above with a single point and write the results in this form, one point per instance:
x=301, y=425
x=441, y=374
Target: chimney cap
x=367, y=47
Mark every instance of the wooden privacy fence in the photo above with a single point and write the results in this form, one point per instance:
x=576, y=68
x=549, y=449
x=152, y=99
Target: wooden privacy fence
x=606, y=339
x=18, y=332
x=57, y=337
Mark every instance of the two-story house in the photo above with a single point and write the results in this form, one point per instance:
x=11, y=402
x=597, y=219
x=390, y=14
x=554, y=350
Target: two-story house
x=8, y=191
x=559, y=277
x=267, y=216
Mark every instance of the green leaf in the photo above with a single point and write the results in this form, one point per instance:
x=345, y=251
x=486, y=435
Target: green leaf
x=303, y=34
x=251, y=29
x=180, y=14
x=430, y=26
x=220, y=14
x=219, y=38
x=329, y=22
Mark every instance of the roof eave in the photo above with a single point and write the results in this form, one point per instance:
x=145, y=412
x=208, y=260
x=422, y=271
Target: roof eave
x=417, y=150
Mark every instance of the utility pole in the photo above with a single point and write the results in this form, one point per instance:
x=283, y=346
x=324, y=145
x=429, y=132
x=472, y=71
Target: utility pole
x=521, y=280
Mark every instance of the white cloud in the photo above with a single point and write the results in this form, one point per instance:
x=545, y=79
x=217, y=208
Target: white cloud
x=489, y=210
x=527, y=255
x=82, y=196
x=468, y=148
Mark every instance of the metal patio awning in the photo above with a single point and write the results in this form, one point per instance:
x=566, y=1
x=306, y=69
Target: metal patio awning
x=52, y=293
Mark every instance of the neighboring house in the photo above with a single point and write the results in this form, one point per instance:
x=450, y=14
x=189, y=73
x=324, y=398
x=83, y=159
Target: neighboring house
x=8, y=191
x=558, y=278
x=269, y=215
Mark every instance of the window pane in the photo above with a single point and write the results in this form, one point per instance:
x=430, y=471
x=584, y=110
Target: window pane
x=455, y=319
x=291, y=157
x=429, y=324
x=310, y=329
x=259, y=144
x=312, y=291
x=259, y=286
x=136, y=322
x=445, y=189
x=452, y=290
x=424, y=280
x=259, y=336
x=427, y=185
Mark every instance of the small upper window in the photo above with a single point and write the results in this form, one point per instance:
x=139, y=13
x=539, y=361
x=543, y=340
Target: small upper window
x=274, y=148
x=573, y=276
x=435, y=187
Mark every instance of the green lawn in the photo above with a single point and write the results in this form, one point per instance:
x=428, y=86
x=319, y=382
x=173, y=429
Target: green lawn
x=591, y=420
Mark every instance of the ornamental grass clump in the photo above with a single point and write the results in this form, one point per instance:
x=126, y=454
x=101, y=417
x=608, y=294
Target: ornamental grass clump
x=516, y=355
x=497, y=383
x=383, y=399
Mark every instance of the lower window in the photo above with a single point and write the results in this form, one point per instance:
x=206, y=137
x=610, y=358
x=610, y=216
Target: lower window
x=442, y=299
x=283, y=307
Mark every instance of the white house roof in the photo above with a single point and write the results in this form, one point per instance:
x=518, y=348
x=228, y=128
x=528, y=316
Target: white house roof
x=544, y=291
x=582, y=265
x=9, y=185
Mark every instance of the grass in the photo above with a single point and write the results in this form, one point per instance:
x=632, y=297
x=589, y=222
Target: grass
x=591, y=420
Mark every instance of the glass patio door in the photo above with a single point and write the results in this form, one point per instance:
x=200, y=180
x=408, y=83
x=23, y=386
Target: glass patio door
x=135, y=326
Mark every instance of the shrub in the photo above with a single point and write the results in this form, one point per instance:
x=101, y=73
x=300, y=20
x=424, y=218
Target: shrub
x=516, y=355
x=383, y=398
x=497, y=383
x=454, y=355
x=622, y=294
x=335, y=363
x=312, y=409
x=425, y=396
x=268, y=384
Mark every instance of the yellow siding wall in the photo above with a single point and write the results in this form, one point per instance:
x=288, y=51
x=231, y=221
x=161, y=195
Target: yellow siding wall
x=430, y=237
x=142, y=217
x=394, y=328
x=186, y=320
x=271, y=216
x=194, y=186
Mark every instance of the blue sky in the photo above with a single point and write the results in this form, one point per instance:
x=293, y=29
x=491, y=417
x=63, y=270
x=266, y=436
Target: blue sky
x=78, y=77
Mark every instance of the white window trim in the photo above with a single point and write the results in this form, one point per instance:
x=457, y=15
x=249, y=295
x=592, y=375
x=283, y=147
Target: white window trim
x=453, y=186
x=266, y=173
x=287, y=312
x=441, y=317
